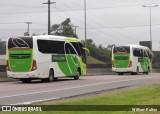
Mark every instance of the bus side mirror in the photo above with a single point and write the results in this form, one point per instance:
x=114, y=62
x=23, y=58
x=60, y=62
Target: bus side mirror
x=87, y=51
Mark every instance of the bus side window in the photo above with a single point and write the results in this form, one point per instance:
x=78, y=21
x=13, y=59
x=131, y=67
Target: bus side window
x=135, y=52
x=77, y=47
x=69, y=49
x=145, y=54
x=141, y=53
x=56, y=47
x=138, y=52
x=149, y=54
x=43, y=46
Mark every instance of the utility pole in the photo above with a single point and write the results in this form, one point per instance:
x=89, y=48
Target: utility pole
x=150, y=15
x=85, y=23
x=49, y=3
x=75, y=28
x=28, y=27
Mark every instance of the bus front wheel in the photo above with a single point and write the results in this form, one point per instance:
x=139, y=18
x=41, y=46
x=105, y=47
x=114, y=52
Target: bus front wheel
x=137, y=72
x=78, y=75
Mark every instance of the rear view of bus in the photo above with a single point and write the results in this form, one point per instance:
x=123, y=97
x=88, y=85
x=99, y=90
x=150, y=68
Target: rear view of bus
x=20, y=58
x=121, y=59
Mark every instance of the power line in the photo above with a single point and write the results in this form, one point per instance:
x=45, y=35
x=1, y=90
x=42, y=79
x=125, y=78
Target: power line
x=16, y=5
x=22, y=23
x=76, y=9
x=30, y=6
x=91, y=19
x=23, y=12
x=95, y=27
x=13, y=23
x=21, y=29
x=121, y=26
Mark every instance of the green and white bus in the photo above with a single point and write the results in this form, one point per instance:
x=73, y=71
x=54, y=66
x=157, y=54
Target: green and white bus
x=45, y=57
x=131, y=59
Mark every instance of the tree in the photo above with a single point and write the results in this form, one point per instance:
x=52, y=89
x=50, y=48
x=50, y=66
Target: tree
x=64, y=29
x=99, y=52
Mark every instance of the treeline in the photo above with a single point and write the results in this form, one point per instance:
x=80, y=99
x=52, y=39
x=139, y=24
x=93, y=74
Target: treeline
x=99, y=52
x=2, y=47
x=156, y=59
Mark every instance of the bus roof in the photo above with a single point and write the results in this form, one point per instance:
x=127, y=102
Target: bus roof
x=135, y=46
x=54, y=37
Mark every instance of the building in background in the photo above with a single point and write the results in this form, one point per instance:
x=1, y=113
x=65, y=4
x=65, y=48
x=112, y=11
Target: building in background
x=145, y=43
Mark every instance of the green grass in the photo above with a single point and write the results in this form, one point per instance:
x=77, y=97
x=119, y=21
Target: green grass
x=91, y=60
x=148, y=95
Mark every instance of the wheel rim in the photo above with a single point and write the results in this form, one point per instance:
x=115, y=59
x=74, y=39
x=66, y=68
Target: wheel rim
x=51, y=76
x=78, y=73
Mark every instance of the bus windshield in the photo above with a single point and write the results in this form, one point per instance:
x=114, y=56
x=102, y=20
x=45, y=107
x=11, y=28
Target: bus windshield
x=121, y=49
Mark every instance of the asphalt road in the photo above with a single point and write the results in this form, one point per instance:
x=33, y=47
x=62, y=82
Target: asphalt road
x=17, y=93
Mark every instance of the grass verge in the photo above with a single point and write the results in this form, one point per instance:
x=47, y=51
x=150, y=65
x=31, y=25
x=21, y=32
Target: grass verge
x=147, y=95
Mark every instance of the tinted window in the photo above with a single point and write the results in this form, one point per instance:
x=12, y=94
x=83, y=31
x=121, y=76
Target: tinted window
x=70, y=49
x=137, y=52
x=24, y=42
x=146, y=54
x=77, y=47
x=149, y=54
x=121, y=49
x=48, y=46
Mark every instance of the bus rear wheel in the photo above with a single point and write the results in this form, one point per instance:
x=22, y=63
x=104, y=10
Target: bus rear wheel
x=120, y=73
x=26, y=80
x=51, y=76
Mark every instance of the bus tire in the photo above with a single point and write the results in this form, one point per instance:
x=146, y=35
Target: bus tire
x=44, y=80
x=51, y=76
x=26, y=80
x=78, y=75
x=55, y=79
x=147, y=71
x=137, y=72
x=120, y=73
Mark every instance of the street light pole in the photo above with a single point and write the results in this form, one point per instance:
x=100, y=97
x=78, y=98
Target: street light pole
x=150, y=15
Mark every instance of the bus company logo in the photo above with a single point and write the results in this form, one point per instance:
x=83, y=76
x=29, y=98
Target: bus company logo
x=6, y=108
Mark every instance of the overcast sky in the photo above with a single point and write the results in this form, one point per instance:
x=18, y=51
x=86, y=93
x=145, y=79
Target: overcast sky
x=117, y=22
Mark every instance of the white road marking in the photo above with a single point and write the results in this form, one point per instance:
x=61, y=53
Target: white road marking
x=76, y=87
x=30, y=102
